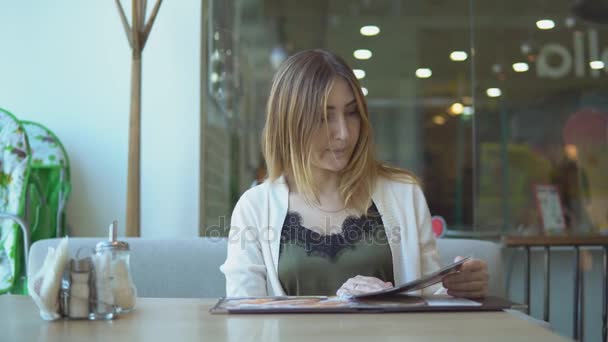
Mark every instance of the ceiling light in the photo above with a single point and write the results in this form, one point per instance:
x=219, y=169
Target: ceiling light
x=520, y=67
x=364, y=90
x=570, y=21
x=456, y=108
x=493, y=92
x=545, y=24
x=215, y=55
x=277, y=56
x=370, y=30
x=362, y=54
x=438, y=120
x=458, y=56
x=571, y=152
x=423, y=73
x=359, y=73
x=597, y=65
x=214, y=77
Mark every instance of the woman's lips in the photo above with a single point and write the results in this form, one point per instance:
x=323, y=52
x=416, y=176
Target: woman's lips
x=338, y=152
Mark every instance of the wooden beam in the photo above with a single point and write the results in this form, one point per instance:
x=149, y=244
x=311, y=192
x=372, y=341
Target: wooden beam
x=133, y=228
x=138, y=34
x=141, y=15
x=150, y=22
x=134, y=172
x=144, y=7
x=125, y=23
x=135, y=23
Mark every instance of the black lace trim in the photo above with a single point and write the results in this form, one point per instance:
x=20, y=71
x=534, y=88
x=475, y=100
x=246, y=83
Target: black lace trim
x=354, y=229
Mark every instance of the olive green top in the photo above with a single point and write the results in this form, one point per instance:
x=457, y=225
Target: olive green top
x=315, y=264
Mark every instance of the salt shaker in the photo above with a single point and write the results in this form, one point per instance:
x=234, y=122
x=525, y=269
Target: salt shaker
x=113, y=256
x=79, y=289
x=102, y=300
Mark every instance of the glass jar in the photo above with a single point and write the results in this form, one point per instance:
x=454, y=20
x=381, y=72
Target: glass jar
x=114, y=286
x=79, y=293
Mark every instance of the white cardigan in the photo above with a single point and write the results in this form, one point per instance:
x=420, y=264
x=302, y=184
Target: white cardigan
x=257, y=220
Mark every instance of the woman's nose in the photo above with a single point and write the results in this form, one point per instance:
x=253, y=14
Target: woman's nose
x=341, y=128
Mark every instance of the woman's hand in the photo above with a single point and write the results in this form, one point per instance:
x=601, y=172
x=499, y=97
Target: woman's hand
x=360, y=284
x=471, y=281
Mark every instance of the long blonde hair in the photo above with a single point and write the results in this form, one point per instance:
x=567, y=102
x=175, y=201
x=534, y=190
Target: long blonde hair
x=297, y=103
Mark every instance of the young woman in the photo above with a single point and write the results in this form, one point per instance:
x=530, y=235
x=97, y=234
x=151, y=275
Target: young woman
x=331, y=219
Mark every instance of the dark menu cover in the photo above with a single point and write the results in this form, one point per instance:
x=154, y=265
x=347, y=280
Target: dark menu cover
x=321, y=304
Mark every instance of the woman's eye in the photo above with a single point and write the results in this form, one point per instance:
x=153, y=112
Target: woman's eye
x=330, y=117
x=354, y=112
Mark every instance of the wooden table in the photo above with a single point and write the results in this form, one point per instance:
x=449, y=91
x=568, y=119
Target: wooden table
x=576, y=242
x=176, y=320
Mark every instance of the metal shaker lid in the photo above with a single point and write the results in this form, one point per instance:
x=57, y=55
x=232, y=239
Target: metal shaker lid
x=112, y=243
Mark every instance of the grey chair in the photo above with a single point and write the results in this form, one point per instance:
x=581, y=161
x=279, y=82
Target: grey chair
x=189, y=268
x=490, y=252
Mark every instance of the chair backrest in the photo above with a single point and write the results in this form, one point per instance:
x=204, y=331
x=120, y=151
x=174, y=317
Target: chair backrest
x=14, y=174
x=49, y=184
x=490, y=252
x=189, y=268
x=186, y=268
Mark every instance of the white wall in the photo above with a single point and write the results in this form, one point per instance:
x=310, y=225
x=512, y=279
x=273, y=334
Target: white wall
x=66, y=64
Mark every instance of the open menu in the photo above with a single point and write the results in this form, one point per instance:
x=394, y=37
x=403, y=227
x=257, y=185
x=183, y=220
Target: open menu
x=394, y=299
x=420, y=283
x=333, y=304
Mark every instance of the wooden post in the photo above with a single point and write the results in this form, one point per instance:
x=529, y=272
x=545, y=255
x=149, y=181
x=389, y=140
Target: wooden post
x=137, y=35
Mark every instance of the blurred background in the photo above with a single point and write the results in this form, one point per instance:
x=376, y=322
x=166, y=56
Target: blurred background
x=483, y=100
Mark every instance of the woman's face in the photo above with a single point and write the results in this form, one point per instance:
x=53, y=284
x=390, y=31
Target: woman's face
x=333, y=149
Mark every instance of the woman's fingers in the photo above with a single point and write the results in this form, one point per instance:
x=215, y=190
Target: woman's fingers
x=473, y=265
x=468, y=294
x=471, y=281
x=470, y=286
x=373, y=280
x=465, y=277
x=361, y=285
x=370, y=281
x=343, y=292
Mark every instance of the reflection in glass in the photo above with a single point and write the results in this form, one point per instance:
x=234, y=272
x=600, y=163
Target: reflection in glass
x=472, y=96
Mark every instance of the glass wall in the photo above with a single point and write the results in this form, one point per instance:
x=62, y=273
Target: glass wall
x=550, y=123
x=484, y=103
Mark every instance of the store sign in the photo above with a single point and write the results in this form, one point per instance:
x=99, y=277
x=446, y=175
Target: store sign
x=557, y=61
